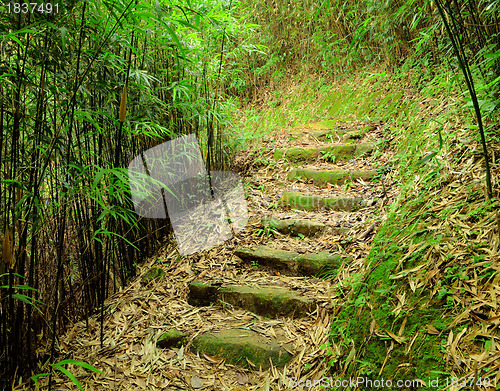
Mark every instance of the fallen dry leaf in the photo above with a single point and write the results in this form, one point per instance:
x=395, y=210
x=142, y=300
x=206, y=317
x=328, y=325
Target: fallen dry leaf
x=196, y=382
x=432, y=330
x=242, y=378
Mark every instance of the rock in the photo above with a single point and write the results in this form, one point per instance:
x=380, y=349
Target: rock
x=296, y=226
x=172, y=339
x=338, y=151
x=347, y=151
x=152, y=274
x=243, y=348
x=341, y=231
x=303, y=201
x=292, y=263
x=358, y=133
x=322, y=177
x=266, y=301
x=202, y=293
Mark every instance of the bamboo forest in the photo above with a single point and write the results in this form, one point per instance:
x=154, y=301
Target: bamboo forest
x=249, y=195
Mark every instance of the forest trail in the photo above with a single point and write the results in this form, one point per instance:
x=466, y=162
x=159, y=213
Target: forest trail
x=230, y=318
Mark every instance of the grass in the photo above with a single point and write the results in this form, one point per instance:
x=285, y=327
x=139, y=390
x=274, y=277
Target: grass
x=410, y=299
x=404, y=316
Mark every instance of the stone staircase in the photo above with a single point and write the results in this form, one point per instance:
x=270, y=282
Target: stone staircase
x=256, y=311
x=325, y=163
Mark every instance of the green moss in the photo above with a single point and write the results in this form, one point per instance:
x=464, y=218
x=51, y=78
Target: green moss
x=172, y=338
x=348, y=151
x=289, y=262
x=379, y=291
x=302, y=201
x=302, y=154
x=267, y=301
x=322, y=177
x=152, y=274
x=278, y=154
x=239, y=346
x=328, y=124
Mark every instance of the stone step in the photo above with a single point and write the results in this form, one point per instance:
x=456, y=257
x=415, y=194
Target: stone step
x=337, y=152
x=358, y=133
x=172, y=339
x=302, y=201
x=295, y=227
x=330, y=135
x=292, y=263
x=153, y=274
x=245, y=348
x=335, y=177
x=266, y=301
x=242, y=347
x=346, y=134
x=322, y=125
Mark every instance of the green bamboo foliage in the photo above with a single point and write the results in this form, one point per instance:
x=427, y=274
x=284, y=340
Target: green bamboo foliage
x=83, y=91
x=334, y=37
x=458, y=34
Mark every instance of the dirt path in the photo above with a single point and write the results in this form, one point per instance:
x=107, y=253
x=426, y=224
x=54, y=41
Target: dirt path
x=259, y=319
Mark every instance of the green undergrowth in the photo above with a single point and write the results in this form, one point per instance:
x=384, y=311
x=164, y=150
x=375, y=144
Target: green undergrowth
x=401, y=313
x=399, y=316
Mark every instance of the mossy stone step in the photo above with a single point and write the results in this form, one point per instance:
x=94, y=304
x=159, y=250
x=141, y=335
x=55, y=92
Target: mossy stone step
x=336, y=151
x=292, y=263
x=244, y=348
x=295, y=227
x=172, y=338
x=153, y=274
x=322, y=125
x=335, y=177
x=330, y=135
x=298, y=200
x=348, y=134
x=267, y=301
x=358, y=133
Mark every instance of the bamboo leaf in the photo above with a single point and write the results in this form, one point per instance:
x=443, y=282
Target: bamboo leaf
x=69, y=375
x=64, y=33
x=20, y=287
x=426, y=158
x=35, y=379
x=26, y=299
x=175, y=39
x=82, y=364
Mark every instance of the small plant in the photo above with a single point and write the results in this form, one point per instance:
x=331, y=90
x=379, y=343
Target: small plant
x=443, y=292
x=347, y=240
x=273, y=205
x=329, y=137
x=366, y=367
x=254, y=186
x=328, y=156
x=376, y=154
x=60, y=367
x=266, y=231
